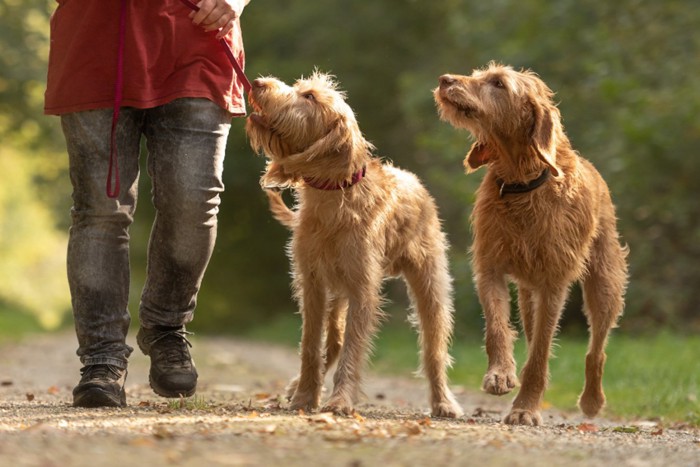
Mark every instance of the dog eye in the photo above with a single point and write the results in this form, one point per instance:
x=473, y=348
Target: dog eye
x=496, y=82
x=309, y=95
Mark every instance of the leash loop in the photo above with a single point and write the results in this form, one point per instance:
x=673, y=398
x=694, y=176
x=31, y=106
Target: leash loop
x=113, y=170
x=229, y=53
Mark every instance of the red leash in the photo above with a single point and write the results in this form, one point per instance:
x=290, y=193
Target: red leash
x=113, y=173
x=113, y=192
x=229, y=53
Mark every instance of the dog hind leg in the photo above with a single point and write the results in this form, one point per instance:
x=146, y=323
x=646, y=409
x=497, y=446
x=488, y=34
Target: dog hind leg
x=336, y=330
x=603, y=293
x=526, y=307
x=431, y=294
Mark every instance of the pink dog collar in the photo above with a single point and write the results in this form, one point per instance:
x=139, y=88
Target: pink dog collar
x=329, y=186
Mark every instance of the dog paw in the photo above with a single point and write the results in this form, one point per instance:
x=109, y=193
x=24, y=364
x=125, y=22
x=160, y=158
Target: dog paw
x=291, y=388
x=591, y=402
x=338, y=407
x=447, y=409
x=305, y=402
x=498, y=381
x=523, y=417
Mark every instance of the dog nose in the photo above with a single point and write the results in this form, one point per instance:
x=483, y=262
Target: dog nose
x=259, y=83
x=446, y=80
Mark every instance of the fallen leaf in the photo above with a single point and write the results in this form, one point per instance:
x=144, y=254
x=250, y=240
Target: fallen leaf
x=273, y=405
x=30, y=396
x=147, y=442
x=253, y=414
x=587, y=428
x=269, y=429
x=343, y=437
x=144, y=404
x=262, y=396
x=380, y=432
x=413, y=428
x=358, y=417
x=53, y=390
x=495, y=443
x=324, y=417
x=659, y=431
x=162, y=432
x=425, y=422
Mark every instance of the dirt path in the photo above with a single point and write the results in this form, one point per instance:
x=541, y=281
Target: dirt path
x=240, y=419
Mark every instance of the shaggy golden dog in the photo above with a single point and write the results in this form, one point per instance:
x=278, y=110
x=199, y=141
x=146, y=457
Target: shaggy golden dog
x=543, y=218
x=356, y=222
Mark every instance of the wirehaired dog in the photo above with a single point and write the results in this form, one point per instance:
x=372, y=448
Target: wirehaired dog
x=357, y=221
x=543, y=218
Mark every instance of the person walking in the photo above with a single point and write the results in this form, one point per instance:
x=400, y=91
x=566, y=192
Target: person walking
x=120, y=70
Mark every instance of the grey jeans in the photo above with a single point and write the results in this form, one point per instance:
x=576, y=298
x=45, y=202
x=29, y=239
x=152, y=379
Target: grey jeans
x=186, y=142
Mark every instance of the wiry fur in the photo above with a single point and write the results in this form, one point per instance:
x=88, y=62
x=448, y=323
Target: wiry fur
x=543, y=240
x=346, y=241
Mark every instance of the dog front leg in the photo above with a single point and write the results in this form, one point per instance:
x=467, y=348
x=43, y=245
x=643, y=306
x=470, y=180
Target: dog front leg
x=493, y=294
x=307, y=395
x=535, y=374
x=335, y=324
x=362, y=322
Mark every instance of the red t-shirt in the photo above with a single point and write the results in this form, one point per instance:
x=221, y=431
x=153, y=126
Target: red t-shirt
x=165, y=57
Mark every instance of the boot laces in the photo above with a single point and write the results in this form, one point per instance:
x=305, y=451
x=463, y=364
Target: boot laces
x=101, y=372
x=174, y=347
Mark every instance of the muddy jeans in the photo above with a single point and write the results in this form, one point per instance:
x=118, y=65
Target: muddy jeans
x=186, y=141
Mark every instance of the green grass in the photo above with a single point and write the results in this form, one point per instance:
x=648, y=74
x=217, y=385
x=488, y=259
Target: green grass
x=189, y=403
x=15, y=324
x=646, y=377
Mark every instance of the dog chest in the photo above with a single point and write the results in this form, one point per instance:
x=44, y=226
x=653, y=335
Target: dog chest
x=533, y=237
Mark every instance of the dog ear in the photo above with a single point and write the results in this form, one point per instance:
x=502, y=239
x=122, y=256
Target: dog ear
x=544, y=136
x=276, y=177
x=479, y=154
x=339, y=140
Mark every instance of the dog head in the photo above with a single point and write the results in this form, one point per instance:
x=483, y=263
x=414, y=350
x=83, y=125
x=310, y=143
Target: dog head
x=510, y=113
x=305, y=130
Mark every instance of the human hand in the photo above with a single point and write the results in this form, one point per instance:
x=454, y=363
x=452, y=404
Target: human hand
x=218, y=15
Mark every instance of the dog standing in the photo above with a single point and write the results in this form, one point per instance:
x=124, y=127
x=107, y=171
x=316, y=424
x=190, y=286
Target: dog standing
x=543, y=218
x=357, y=221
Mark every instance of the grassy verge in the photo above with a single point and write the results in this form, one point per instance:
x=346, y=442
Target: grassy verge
x=15, y=324
x=646, y=377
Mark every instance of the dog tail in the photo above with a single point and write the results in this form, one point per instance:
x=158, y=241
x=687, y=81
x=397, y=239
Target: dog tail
x=279, y=209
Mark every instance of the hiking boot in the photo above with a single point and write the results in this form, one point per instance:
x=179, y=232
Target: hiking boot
x=100, y=385
x=172, y=369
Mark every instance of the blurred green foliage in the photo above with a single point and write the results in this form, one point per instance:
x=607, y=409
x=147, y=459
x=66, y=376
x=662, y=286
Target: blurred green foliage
x=626, y=73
